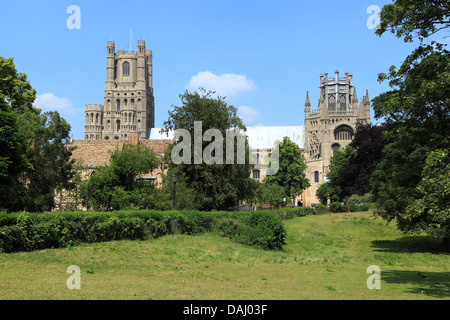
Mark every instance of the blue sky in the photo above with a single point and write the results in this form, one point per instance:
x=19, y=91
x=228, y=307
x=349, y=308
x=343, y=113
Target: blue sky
x=263, y=55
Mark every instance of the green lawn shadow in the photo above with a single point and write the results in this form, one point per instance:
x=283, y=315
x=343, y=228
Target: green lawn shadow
x=414, y=244
x=434, y=284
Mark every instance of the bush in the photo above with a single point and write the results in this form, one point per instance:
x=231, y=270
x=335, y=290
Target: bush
x=337, y=207
x=321, y=208
x=34, y=231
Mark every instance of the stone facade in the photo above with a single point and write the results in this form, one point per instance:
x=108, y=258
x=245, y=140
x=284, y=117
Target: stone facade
x=128, y=101
x=331, y=127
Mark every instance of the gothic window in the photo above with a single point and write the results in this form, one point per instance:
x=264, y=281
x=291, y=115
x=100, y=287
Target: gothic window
x=331, y=103
x=125, y=102
x=257, y=158
x=343, y=102
x=118, y=104
x=118, y=125
x=256, y=174
x=335, y=147
x=316, y=176
x=126, y=68
x=343, y=133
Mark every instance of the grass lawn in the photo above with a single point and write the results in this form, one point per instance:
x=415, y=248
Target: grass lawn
x=326, y=257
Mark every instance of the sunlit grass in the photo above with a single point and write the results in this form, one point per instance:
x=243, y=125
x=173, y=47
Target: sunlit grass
x=326, y=257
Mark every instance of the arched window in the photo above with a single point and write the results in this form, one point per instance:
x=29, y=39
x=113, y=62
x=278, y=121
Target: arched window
x=118, y=104
x=316, y=176
x=331, y=103
x=343, y=133
x=256, y=174
x=126, y=68
x=343, y=102
x=335, y=147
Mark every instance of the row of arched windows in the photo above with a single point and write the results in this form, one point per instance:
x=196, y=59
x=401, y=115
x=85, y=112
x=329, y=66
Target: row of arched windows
x=332, y=103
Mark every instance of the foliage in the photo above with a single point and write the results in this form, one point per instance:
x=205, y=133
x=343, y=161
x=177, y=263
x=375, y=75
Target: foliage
x=327, y=189
x=431, y=209
x=414, y=18
x=367, y=146
x=291, y=169
x=417, y=114
x=270, y=193
x=34, y=158
x=337, y=207
x=217, y=185
x=321, y=209
x=114, y=187
x=26, y=232
x=47, y=135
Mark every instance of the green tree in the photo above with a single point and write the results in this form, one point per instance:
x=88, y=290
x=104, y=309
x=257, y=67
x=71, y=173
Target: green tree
x=431, y=208
x=291, y=168
x=16, y=95
x=217, y=185
x=417, y=113
x=114, y=187
x=270, y=193
x=47, y=136
x=367, y=146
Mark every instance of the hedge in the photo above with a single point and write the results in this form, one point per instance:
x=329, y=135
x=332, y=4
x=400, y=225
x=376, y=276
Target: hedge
x=34, y=231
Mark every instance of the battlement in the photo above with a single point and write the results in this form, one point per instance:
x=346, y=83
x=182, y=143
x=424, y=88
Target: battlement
x=124, y=52
x=94, y=107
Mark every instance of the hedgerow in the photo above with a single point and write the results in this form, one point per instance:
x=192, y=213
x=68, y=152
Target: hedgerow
x=34, y=231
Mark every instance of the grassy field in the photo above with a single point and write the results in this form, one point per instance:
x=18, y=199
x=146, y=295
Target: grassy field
x=326, y=257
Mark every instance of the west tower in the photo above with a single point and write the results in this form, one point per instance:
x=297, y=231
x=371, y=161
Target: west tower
x=128, y=99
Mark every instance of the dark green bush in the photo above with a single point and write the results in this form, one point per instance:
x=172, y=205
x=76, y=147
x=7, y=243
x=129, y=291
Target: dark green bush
x=321, y=209
x=337, y=207
x=34, y=231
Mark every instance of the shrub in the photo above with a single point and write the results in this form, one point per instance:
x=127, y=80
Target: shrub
x=321, y=208
x=337, y=207
x=27, y=231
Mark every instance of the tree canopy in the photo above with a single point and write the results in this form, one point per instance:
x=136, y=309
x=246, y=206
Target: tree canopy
x=417, y=114
x=291, y=168
x=217, y=185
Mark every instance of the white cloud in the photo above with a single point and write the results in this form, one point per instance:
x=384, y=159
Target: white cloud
x=248, y=115
x=50, y=102
x=227, y=84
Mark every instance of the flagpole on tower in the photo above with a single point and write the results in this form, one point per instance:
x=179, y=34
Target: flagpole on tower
x=131, y=32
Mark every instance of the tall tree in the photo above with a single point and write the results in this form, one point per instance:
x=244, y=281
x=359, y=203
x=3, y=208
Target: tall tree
x=367, y=146
x=16, y=96
x=417, y=112
x=34, y=159
x=48, y=136
x=291, y=168
x=218, y=185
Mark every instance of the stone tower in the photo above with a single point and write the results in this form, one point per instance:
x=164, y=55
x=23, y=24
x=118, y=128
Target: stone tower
x=128, y=102
x=331, y=127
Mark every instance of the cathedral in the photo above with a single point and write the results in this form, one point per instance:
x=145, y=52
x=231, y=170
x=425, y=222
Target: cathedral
x=331, y=126
x=127, y=116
